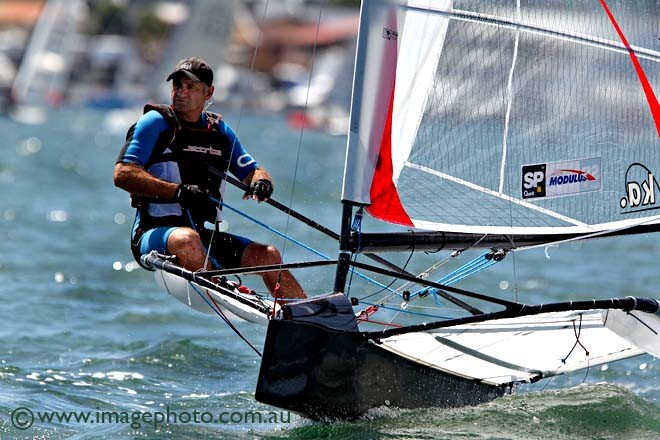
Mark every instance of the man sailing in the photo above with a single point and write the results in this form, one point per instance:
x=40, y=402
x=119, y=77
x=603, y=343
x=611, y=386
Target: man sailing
x=172, y=164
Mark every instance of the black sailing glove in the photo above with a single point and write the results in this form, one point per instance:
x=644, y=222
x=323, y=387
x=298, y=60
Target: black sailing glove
x=262, y=188
x=191, y=196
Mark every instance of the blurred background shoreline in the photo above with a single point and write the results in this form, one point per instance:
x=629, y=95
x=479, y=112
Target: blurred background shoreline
x=288, y=56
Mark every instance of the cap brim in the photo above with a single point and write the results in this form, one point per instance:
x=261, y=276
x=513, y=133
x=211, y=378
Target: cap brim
x=184, y=72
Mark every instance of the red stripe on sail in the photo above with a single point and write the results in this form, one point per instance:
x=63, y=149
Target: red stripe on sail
x=648, y=90
x=385, y=202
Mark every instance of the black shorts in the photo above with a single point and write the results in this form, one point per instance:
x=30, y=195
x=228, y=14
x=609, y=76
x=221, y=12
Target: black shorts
x=226, y=249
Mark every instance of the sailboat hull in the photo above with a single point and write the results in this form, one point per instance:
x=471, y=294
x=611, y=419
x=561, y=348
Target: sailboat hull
x=324, y=373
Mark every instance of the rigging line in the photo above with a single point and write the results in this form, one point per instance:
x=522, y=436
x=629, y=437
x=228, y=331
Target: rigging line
x=477, y=264
x=643, y=323
x=252, y=64
x=428, y=315
x=389, y=295
x=218, y=310
x=392, y=291
x=436, y=292
x=215, y=307
x=277, y=205
x=467, y=273
x=459, y=274
x=506, y=136
x=577, y=333
x=207, y=258
x=425, y=274
x=238, y=124
x=302, y=126
x=293, y=240
x=452, y=280
x=370, y=321
x=298, y=216
x=445, y=295
x=467, y=293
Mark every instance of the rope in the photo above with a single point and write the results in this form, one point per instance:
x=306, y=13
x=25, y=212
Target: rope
x=302, y=126
x=470, y=268
x=238, y=124
x=293, y=240
x=213, y=305
x=396, y=309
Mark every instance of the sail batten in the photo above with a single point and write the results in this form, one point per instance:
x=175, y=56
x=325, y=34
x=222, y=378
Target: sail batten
x=497, y=194
x=604, y=43
x=506, y=117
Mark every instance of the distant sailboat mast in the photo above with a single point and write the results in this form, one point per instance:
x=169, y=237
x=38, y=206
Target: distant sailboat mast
x=43, y=73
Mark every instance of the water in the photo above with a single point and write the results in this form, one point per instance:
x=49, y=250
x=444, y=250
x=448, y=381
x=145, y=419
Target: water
x=86, y=332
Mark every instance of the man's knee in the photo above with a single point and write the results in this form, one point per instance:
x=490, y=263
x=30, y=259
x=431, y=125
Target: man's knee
x=183, y=237
x=257, y=253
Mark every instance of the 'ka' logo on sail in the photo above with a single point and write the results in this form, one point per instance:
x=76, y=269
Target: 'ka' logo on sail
x=640, y=189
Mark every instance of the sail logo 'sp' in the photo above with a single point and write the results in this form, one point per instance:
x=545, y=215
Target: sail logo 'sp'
x=640, y=188
x=533, y=184
x=554, y=179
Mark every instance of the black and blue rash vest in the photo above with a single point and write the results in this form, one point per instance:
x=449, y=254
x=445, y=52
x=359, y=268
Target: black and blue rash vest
x=195, y=154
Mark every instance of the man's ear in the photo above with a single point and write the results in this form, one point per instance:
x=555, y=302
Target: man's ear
x=209, y=92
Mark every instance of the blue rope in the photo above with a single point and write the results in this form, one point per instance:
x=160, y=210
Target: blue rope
x=470, y=268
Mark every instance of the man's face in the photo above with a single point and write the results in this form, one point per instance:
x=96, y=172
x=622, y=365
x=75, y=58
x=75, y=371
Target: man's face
x=189, y=96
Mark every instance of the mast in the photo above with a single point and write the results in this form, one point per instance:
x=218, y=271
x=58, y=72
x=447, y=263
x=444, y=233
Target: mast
x=344, y=247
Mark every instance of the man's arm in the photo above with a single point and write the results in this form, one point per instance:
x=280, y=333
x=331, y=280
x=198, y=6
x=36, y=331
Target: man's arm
x=258, y=173
x=139, y=182
x=129, y=173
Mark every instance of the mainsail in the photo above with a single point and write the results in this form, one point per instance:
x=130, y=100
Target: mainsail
x=505, y=117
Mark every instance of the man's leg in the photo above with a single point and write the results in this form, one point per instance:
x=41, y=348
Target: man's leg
x=257, y=254
x=187, y=246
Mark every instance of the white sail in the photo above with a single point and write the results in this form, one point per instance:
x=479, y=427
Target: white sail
x=506, y=117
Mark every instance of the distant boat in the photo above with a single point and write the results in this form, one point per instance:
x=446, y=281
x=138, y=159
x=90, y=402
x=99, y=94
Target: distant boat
x=43, y=74
x=496, y=126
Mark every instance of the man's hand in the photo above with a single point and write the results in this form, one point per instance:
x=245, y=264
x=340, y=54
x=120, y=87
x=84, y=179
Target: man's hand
x=260, y=189
x=191, y=196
